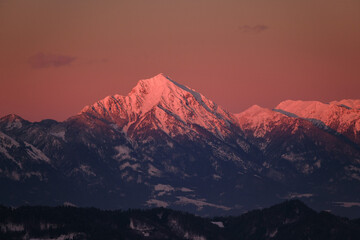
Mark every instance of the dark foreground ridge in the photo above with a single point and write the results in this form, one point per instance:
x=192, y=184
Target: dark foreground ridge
x=288, y=220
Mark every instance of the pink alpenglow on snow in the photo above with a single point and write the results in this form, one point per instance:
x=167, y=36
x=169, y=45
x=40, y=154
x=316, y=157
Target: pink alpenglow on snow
x=166, y=100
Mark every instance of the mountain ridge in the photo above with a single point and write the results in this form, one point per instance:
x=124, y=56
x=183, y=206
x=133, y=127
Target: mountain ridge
x=166, y=145
x=169, y=101
x=289, y=219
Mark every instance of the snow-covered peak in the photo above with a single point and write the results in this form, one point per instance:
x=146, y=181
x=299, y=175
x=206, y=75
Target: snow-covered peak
x=150, y=92
x=255, y=110
x=167, y=101
x=156, y=81
x=259, y=120
x=302, y=108
x=318, y=110
x=154, y=85
x=339, y=117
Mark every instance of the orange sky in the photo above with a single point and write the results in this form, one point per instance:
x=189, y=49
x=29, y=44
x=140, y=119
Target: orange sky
x=58, y=56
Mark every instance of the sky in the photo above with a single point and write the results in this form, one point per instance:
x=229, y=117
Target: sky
x=57, y=56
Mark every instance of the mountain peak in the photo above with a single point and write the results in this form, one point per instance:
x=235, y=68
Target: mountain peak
x=12, y=117
x=295, y=105
x=161, y=76
x=259, y=120
x=167, y=101
x=255, y=112
x=319, y=110
x=159, y=79
x=150, y=92
x=153, y=85
x=145, y=95
x=12, y=121
x=158, y=83
x=254, y=109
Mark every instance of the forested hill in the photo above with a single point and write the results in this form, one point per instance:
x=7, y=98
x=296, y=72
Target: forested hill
x=288, y=220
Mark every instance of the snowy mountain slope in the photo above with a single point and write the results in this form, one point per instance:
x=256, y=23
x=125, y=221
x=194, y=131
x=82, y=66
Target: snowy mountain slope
x=298, y=142
x=336, y=115
x=166, y=145
x=350, y=103
x=260, y=120
x=173, y=107
x=173, y=136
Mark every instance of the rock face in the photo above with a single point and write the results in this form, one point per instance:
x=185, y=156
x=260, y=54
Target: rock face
x=166, y=145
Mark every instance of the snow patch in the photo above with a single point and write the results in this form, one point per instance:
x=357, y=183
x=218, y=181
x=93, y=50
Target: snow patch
x=7, y=141
x=163, y=187
x=216, y=177
x=170, y=144
x=219, y=224
x=87, y=170
x=157, y=203
x=129, y=165
x=244, y=145
x=317, y=164
x=200, y=203
x=60, y=134
x=36, y=154
x=177, y=227
x=6, y=153
x=273, y=233
x=353, y=172
x=153, y=171
x=69, y=204
x=140, y=227
x=184, y=189
x=122, y=152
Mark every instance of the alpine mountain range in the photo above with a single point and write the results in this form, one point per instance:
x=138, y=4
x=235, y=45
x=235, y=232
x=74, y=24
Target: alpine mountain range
x=166, y=145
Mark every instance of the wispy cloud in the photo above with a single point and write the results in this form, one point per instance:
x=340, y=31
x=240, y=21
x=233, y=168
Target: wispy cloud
x=253, y=29
x=41, y=60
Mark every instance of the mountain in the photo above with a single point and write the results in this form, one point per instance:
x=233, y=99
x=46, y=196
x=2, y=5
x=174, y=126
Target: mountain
x=160, y=103
x=337, y=116
x=290, y=219
x=166, y=145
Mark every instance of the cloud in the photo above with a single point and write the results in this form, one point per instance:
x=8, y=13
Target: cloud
x=41, y=60
x=253, y=29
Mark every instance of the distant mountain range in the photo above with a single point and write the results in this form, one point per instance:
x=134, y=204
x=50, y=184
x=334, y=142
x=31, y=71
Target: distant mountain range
x=288, y=220
x=166, y=145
